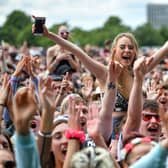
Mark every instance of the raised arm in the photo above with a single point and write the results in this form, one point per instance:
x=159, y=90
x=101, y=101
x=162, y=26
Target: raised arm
x=109, y=100
x=158, y=56
x=47, y=99
x=99, y=70
x=25, y=106
x=5, y=89
x=74, y=126
x=135, y=100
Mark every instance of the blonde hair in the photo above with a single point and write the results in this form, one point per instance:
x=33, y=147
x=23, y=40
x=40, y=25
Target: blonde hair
x=65, y=103
x=92, y=157
x=131, y=37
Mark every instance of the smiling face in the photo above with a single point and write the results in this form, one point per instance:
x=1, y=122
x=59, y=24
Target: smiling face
x=126, y=49
x=125, y=53
x=150, y=124
x=59, y=142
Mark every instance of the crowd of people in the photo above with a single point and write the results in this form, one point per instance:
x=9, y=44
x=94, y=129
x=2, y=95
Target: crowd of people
x=72, y=107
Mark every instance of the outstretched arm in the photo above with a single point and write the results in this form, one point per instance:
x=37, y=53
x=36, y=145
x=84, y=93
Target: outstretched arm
x=158, y=56
x=99, y=70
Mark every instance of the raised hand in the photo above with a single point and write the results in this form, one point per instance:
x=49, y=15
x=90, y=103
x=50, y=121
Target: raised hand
x=19, y=67
x=93, y=121
x=74, y=116
x=153, y=90
x=25, y=105
x=28, y=66
x=141, y=66
x=114, y=69
x=5, y=89
x=47, y=97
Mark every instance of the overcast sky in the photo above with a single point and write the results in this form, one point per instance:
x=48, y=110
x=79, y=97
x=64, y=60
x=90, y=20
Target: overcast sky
x=86, y=14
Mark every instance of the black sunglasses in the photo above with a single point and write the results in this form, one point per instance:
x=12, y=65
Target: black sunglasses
x=9, y=164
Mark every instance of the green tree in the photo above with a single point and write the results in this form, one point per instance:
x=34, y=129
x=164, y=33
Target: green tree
x=164, y=32
x=148, y=36
x=18, y=20
x=112, y=20
x=13, y=28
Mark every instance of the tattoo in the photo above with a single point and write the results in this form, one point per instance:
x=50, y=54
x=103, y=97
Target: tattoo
x=111, y=85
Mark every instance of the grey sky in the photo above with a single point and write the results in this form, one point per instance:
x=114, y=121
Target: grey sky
x=86, y=14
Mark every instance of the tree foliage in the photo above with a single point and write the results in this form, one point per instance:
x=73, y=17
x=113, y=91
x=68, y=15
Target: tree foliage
x=17, y=28
x=148, y=36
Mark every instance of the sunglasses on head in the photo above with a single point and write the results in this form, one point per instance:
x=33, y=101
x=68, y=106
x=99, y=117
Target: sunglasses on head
x=9, y=164
x=148, y=117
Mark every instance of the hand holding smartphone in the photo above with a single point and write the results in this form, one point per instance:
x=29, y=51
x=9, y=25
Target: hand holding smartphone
x=39, y=21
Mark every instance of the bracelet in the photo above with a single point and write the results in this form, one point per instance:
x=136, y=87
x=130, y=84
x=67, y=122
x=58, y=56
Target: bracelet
x=72, y=134
x=111, y=85
x=45, y=135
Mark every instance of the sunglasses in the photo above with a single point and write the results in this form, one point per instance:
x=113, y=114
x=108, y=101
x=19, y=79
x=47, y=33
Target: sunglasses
x=62, y=33
x=148, y=117
x=5, y=49
x=9, y=164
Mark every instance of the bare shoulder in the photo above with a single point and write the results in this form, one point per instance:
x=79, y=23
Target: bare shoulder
x=53, y=49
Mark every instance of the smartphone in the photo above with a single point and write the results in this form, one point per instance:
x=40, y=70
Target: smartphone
x=39, y=21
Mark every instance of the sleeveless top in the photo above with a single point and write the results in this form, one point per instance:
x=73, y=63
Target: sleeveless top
x=121, y=103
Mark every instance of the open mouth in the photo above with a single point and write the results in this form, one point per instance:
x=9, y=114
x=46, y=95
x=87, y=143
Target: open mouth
x=33, y=125
x=153, y=128
x=82, y=123
x=64, y=150
x=126, y=57
x=162, y=101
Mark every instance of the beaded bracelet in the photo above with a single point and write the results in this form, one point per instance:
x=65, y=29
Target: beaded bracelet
x=72, y=134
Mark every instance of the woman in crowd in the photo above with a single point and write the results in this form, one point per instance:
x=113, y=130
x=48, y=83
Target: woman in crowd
x=125, y=51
